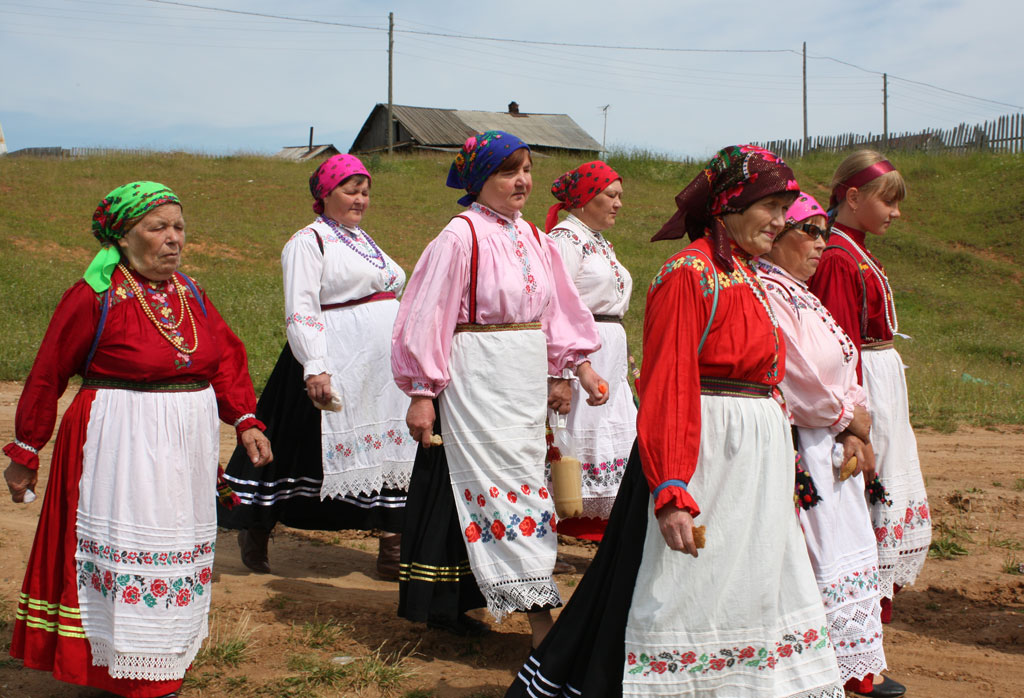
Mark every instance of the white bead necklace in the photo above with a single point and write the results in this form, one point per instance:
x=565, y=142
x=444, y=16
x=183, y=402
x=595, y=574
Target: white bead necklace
x=891, y=321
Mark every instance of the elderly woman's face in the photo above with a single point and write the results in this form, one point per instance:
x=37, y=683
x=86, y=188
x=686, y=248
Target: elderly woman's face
x=797, y=252
x=599, y=213
x=348, y=202
x=756, y=228
x=507, y=191
x=153, y=246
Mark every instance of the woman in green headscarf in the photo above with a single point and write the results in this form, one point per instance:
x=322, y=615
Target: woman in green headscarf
x=117, y=590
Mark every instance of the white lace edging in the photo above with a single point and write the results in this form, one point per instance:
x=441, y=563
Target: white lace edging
x=146, y=667
x=508, y=596
x=354, y=484
x=832, y=691
x=22, y=444
x=248, y=415
x=598, y=507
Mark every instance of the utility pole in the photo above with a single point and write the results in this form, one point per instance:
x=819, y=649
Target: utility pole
x=805, y=100
x=604, y=136
x=391, y=65
x=885, y=110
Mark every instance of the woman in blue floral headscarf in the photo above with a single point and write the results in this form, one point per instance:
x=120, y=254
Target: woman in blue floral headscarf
x=488, y=315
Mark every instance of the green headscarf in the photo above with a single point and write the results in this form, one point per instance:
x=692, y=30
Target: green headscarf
x=127, y=202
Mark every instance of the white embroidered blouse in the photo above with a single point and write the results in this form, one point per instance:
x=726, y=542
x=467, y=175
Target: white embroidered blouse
x=603, y=283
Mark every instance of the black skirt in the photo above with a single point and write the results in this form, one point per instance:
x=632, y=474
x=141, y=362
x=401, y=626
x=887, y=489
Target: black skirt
x=434, y=577
x=288, y=489
x=583, y=654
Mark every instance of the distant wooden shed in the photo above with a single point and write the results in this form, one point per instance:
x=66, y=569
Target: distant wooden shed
x=448, y=129
x=301, y=153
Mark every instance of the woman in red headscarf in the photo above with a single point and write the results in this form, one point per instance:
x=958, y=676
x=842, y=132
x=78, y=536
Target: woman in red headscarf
x=852, y=283
x=601, y=436
x=744, y=618
x=330, y=405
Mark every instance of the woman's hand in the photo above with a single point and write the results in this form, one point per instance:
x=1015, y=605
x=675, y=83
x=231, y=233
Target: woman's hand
x=318, y=388
x=860, y=425
x=257, y=446
x=677, y=529
x=420, y=419
x=854, y=446
x=19, y=480
x=595, y=385
x=559, y=395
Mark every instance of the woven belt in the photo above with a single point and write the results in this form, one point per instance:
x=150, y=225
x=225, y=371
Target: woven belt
x=382, y=296
x=727, y=387
x=499, y=327
x=98, y=383
x=608, y=318
x=876, y=346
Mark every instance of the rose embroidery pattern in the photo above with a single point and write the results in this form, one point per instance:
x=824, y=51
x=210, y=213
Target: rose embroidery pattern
x=492, y=526
x=897, y=524
x=133, y=589
x=144, y=557
x=369, y=442
x=762, y=658
x=850, y=586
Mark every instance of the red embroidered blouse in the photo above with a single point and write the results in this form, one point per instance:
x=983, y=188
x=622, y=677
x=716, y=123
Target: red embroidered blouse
x=841, y=281
x=130, y=349
x=742, y=345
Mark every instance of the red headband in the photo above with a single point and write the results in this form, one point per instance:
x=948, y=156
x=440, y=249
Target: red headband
x=859, y=180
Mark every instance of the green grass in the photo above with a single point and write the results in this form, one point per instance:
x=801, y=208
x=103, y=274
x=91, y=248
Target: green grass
x=947, y=541
x=226, y=647
x=1013, y=565
x=954, y=259
x=323, y=633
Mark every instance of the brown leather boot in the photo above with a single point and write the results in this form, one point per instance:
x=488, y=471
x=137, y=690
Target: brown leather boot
x=388, y=553
x=253, y=543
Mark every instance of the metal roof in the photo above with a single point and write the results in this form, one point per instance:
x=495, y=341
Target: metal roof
x=450, y=127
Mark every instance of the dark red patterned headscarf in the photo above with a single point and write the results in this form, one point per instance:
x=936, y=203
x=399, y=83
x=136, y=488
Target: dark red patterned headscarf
x=577, y=187
x=734, y=179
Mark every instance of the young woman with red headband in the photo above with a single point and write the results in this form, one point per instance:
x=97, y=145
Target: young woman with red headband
x=851, y=282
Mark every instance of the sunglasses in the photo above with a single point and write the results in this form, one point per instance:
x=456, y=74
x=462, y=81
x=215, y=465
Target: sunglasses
x=813, y=231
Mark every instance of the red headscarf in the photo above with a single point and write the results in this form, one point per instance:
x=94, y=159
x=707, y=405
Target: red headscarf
x=577, y=187
x=735, y=178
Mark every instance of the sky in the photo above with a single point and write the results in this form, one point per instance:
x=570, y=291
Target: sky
x=165, y=76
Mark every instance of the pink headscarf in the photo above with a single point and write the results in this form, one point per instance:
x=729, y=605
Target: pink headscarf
x=332, y=172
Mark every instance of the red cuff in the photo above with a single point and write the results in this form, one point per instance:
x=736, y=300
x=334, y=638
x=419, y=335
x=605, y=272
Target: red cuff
x=22, y=456
x=247, y=424
x=678, y=496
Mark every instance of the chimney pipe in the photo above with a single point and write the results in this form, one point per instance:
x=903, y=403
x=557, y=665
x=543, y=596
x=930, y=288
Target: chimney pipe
x=513, y=108
x=310, y=140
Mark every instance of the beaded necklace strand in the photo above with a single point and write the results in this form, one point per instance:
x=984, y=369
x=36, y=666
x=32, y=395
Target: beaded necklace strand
x=750, y=278
x=178, y=342
x=376, y=259
x=891, y=321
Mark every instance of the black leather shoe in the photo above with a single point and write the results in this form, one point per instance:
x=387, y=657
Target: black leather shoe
x=887, y=689
x=253, y=543
x=463, y=626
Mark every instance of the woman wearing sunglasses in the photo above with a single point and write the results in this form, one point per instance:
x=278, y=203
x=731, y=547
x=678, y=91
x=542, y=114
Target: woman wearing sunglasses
x=828, y=408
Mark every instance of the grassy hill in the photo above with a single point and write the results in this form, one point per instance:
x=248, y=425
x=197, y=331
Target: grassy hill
x=955, y=258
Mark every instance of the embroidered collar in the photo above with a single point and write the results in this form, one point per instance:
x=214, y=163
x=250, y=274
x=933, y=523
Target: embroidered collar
x=491, y=213
x=354, y=233
x=766, y=266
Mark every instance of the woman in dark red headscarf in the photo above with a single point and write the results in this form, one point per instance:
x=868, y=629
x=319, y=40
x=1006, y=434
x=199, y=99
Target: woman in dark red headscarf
x=744, y=618
x=601, y=436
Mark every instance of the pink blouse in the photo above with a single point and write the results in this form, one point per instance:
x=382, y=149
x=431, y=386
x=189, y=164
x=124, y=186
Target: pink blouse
x=820, y=385
x=519, y=279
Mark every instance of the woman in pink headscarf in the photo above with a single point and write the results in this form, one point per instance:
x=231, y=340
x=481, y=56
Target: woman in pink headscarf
x=330, y=404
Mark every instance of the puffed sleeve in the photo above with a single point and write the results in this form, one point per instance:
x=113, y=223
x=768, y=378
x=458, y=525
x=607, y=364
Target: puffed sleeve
x=811, y=402
x=570, y=249
x=568, y=324
x=421, y=341
x=302, y=264
x=838, y=284
x=236, y=399
x=62, y=353
x=669, y=417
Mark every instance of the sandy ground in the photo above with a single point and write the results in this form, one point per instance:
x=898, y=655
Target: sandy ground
x=958, y=632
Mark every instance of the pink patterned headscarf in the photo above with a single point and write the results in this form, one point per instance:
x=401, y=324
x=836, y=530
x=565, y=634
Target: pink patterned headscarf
x=332, y=172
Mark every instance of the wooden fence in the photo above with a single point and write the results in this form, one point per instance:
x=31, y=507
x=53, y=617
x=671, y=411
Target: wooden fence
x=1003, y=135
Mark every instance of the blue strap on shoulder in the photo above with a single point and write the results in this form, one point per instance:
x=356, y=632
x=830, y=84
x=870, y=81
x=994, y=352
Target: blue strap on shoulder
x=714, y=300
x=195, y=292
x=667, y=483
x=104, y=307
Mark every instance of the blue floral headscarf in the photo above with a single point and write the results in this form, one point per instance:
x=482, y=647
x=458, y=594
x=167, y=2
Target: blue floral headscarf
x=479, y=158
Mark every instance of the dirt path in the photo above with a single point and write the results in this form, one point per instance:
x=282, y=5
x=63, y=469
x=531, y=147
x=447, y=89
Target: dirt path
x=958, y=632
